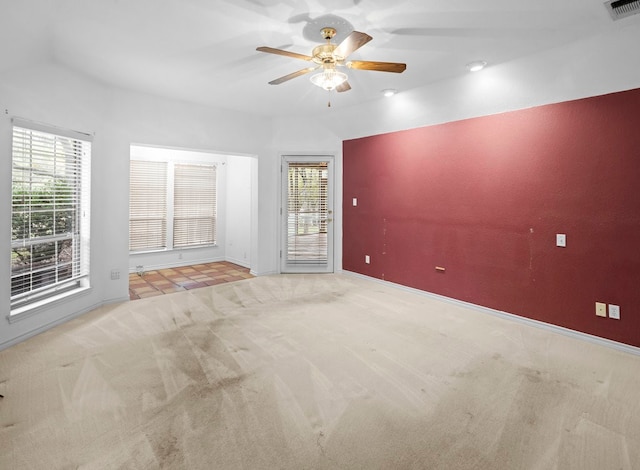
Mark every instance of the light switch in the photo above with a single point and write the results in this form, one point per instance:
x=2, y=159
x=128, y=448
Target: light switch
x=367, y=259
x=561, y=239
x=355, y=201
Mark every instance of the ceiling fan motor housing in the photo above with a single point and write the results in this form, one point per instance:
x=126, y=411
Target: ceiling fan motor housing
x=324, y=55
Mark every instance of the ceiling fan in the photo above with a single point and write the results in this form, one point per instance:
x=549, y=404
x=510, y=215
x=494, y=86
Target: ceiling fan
x=328, y=57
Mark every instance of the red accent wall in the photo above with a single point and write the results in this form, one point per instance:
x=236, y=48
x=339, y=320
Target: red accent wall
x=485, y=197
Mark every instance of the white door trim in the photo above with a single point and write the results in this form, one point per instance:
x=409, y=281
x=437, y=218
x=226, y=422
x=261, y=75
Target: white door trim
x=301, y=267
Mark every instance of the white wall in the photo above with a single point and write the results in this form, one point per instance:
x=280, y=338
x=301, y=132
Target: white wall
x=308, y=136
x=53, y=95
x=238, y=210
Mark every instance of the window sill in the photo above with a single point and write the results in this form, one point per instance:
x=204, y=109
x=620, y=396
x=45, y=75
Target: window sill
x=172, y=250
x=43, y=305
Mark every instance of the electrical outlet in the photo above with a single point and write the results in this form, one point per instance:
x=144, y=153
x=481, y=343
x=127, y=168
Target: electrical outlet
x=614, y=311
x=561, y=239
x=367, y=259
x=601, y=309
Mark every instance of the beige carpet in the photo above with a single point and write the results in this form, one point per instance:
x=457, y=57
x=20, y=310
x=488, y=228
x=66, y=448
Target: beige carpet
x=313, y=372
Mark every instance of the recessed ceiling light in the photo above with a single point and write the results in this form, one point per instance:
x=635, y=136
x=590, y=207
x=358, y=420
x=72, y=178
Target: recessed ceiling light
x=476, y=66
x=389, y=92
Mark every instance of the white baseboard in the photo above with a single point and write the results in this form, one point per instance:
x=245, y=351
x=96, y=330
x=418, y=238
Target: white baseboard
x=265, y=273
x=239, y=262
x=510, y=316
x=176, y=264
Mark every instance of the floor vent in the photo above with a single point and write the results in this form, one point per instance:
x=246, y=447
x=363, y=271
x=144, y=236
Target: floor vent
x=619, y=9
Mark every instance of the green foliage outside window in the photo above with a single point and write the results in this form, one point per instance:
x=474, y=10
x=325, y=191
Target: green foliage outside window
x=43, y=220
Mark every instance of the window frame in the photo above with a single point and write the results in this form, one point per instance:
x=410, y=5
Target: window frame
x=194, y=224
x=149, y=212
x=76, y=200
x=173, y=158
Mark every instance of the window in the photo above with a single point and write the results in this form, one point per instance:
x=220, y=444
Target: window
x=194, y=205
x=307, y=212
x=147, y=205
x=49, y=213
x=172, y=205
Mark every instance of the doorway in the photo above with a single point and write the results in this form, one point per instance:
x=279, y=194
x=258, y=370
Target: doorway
x=307, y=214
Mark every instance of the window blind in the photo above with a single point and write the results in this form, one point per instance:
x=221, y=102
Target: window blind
x=49, y=214
x=307, y=212
x=147, y=205
x=194, y=206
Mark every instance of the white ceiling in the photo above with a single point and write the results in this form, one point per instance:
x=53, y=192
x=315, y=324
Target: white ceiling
x=204, y=51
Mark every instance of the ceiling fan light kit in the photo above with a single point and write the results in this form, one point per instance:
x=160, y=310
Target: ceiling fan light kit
x=329, y=56
x=329, y=79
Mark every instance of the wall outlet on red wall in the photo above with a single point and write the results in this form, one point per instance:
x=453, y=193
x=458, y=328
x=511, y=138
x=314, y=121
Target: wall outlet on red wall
x=614, y=311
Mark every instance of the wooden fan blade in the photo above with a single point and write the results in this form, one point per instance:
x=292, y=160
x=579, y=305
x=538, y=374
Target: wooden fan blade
x=272, y=50
x=352, y=43
x=288, y=77
x=344, y=86
x=395, y=67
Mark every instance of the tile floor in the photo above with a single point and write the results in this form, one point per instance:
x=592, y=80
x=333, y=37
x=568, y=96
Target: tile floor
x=165, y=281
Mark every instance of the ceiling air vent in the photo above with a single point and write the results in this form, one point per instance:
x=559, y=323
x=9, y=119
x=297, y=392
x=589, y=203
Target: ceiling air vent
x=619, y=9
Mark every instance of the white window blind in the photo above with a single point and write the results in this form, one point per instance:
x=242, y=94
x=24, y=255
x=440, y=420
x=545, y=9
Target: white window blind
x=194, y=208
x=307, y=212
x=147, y=205
x=172, y=204
x=49, y=213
